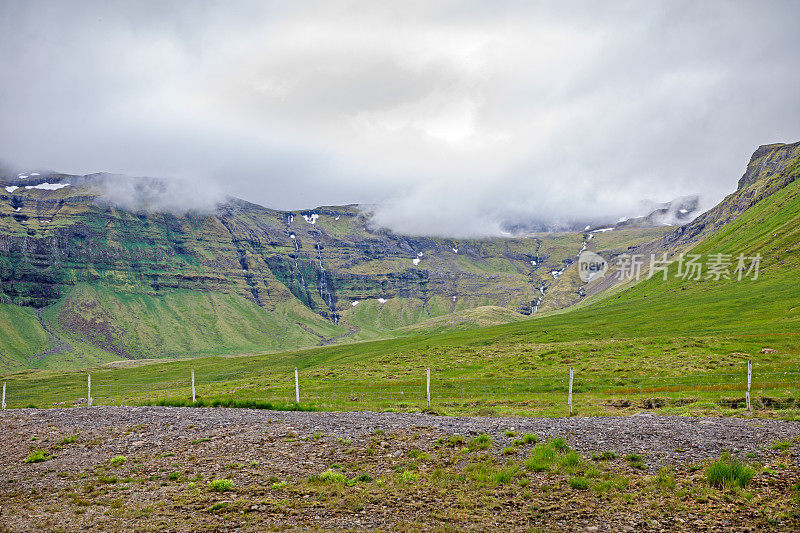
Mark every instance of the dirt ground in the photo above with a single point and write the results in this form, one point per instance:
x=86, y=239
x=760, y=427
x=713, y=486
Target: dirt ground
x=189, y=469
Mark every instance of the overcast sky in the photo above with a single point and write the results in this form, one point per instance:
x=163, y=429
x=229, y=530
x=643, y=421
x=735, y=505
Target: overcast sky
x=453, y=117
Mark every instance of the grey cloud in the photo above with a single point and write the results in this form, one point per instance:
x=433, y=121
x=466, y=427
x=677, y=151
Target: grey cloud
x=153, y=195
x=452, y=118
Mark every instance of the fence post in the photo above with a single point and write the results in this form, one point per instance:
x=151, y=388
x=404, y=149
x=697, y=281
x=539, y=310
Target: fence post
x=4, y=395
x=749, y=378
x=570, y=392
x=428, y=386
x=194, y=397
x=89, y=390
x=296, y=386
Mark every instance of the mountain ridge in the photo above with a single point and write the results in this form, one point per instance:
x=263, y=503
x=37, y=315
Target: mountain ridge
x=291, y=279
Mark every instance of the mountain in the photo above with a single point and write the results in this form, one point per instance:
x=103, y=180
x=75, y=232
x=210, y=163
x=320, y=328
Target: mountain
x=85, y=281
x=104, y=271
x=681, y=334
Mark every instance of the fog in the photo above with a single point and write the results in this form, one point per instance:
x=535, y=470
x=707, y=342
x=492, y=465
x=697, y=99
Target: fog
x=452, y=118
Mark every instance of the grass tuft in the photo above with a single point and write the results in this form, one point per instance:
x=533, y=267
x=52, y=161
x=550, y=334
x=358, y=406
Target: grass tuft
x=220, y=485
x=37, y=456
x=728, y=473
x=481, y=442
x=579, y=483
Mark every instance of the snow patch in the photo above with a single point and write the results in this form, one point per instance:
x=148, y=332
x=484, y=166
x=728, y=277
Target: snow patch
x=312, y=218
x=454, y=298
x=18, y=209
x=683, y=211
x=415, y=260
x=419, y=254
x=48, y=186
x=11, y=188
x=354, y=303
x=337, y=218
x=292, y=236
x=533, y=263
x=22, y=176
x=382, y=300
x=34, y=174
x=587, y=227
x=602, y=230
x=455, y=250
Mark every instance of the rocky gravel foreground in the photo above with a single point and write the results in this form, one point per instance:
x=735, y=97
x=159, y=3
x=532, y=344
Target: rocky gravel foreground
x=661, y=439
x=170, y=454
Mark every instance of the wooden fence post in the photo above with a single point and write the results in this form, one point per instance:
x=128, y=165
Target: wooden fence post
x=4, y=395
x=749, y=379
x=194, y=397
x=89, y=390
x=570, y=392
x=428, y=385
x=296, y=386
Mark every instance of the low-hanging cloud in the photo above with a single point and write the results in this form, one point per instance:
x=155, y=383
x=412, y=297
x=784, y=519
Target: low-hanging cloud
x=153, y=195
x=452, y=118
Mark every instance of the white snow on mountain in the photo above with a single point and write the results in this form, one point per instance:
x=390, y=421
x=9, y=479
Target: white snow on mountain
x=48, y=186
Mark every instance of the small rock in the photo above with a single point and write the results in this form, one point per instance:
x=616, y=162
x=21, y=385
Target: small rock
x=398, y=453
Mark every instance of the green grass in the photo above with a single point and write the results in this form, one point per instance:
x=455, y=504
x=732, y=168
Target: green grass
x=220, y=485
x=579, y=483
x=728, y=473
x=486, y=474
x=635, y=461
x=542, y=457
x=232, y=403
x=782, y=445
x=21, y=336
x=481, y=442
x=37, y=456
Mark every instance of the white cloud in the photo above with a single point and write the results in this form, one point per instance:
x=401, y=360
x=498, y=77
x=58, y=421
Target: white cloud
x=450, y=117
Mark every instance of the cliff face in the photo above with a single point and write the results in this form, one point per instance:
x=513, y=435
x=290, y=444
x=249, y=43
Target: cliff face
x=54, y=234
x=767, y=160
x=771, y=168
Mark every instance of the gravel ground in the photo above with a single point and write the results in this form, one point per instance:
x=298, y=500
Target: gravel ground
x=77, y=488
x=661, y=439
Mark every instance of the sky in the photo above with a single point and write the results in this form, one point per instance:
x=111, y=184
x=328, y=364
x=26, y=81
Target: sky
x=451, y=118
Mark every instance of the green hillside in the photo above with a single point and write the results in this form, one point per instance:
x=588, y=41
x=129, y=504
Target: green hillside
x=112, y=284
x=20, y=335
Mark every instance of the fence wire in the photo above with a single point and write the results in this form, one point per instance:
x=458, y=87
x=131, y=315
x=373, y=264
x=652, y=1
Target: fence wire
x=351, y=389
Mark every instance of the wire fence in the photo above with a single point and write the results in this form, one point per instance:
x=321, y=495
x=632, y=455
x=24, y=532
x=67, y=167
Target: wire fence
x=446, y=389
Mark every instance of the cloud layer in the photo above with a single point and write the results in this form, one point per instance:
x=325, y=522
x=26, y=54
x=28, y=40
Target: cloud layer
x=454, y=118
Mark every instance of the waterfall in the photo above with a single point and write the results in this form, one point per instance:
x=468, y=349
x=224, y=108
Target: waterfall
x=324, y=290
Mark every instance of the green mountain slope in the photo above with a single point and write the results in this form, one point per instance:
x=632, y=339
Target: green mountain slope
x=21, y=335
x=252, y=280
x=112, y=283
